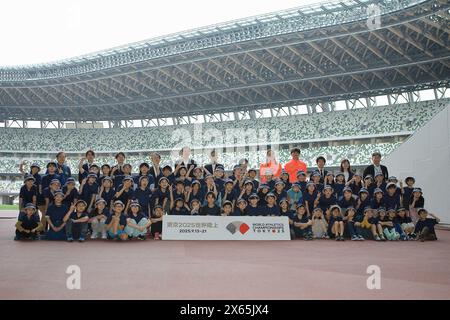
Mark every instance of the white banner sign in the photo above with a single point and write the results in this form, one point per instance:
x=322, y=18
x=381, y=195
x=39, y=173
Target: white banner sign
x=225, y=228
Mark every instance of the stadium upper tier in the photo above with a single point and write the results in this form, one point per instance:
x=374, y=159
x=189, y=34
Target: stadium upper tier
x=337, y=125
x=311, y=54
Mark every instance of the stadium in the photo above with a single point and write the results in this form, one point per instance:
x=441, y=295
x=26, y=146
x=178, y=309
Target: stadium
x=334, y=79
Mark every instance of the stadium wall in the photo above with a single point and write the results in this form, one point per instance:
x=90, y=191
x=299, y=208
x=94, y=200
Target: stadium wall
x=426, y=156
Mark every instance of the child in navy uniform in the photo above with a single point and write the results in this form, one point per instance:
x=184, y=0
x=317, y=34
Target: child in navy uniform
x=97, y=219
x=347, y=199
x=310, y=197
x=107, y=192
x=143, y=194
x=378, y=199
x=407, y=191
x=76, y=221
x=271, y=208
x=211, y=208
x=227, y=208
x=54, y=217
x=28, y=192
x=302, y=224
x=406, y=224
x=336, y=223
x=178, y=208
x=28, y=225
x=137, y=223
x=70, y=192
x=253, y=209
x=240, y=209
x=339, y=184
x=116, y=222
x=350, y=219
x=156, y=226
x=425, y=226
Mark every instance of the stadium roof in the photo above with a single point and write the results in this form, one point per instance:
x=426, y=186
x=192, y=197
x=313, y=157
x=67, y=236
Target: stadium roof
x=310, y=54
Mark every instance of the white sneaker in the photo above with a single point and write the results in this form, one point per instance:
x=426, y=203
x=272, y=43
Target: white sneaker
x=94, y=236
x=104, y=236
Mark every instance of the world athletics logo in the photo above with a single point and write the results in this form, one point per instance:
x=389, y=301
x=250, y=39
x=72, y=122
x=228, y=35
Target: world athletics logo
x=240, y=226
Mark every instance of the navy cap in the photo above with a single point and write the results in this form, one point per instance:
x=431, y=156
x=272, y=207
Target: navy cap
x=134, y=203
x=253, y=196
x=252, y=170
x=378, y=174
x=317, y=209
x=381, y=209
x=160, y=206
x=70, y=180
x=248, y=182
x=179, y=181
x=92, y=175
x=105, y=165
x=279, y=182
x=195, y=200
x=179, y=199
x=58, y=192
x=118, y=202
x=29, y=177
x=339, y=174
x=263, y=185
x=347, y=189
x=80, y=201
x=227, y=203
x=295, y=184
x=219, y=168
x=327, y=187
x=100, y=200
x=236, y=166
x=195, y=182
x=163, y=178
x=107, y=178
x=363, y=190
x=315, y=174
x=377, y=190
x=209, y=176
x=127, y=178
x=410, y=178
x=367, y=208
x=301, y=173
x=270, y=194
x=126, y=165
x=349, y=208
x=369, y=176
x=283, y=200
x=55, y=181
x=228, y=181
x=417, y=190
x=335, y=207
x=241, y=200
x=94, y=165
x=401, y=209
x=390, y=184
x=310, y=184
x=35, y=165
x=167, y=167
x=393, y=178
x=30, y=206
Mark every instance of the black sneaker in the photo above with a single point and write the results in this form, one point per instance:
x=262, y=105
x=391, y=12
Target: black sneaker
x=141, y=237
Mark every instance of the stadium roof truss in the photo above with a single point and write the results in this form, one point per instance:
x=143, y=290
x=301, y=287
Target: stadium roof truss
x=309, y=55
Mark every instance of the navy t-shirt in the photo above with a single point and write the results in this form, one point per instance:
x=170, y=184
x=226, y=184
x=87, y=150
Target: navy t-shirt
x=392, y=202
x=71, y=197
x=310, y=198
x=56, y=213
x=207, y=211
x=303, y=219
x=343, y=203
x=428, y=222
x=48, y=178
x=27, y=195
x=76, y=216
x=181, y=212
x=325, y=203
x=239, y=212
x=108, y=196
x=143, y=197
x=254, y=211
x=137, y=217
x=25, y=219
x=160, y=195
x=88, y=191
x=271, y=211
x=125, y=196
x=122, y=220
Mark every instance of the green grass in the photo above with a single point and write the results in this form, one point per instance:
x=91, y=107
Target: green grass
x=9, y=207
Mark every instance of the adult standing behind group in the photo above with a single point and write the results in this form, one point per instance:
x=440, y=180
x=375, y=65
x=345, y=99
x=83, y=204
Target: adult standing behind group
x=376, y=167
x=271, y=166
x=295, y=165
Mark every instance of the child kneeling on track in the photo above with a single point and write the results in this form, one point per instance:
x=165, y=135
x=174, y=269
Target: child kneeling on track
x=302, y=224
x=156, y=226
x=425, y=226
x=336, y=223
x=319, y=224
x=98, y=218
x=116, y=222
x=137, y=224
x=77, y=221
x=350, y=220
x=28, y=225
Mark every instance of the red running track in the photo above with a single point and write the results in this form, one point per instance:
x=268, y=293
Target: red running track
x=319, y=269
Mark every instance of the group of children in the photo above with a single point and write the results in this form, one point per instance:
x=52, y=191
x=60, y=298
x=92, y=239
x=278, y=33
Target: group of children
x=111, y=203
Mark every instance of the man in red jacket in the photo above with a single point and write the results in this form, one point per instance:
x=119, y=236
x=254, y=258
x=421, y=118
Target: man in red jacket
x=293, y=166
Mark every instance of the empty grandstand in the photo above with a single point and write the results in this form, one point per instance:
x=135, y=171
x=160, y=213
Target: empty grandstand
x=316, y=77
